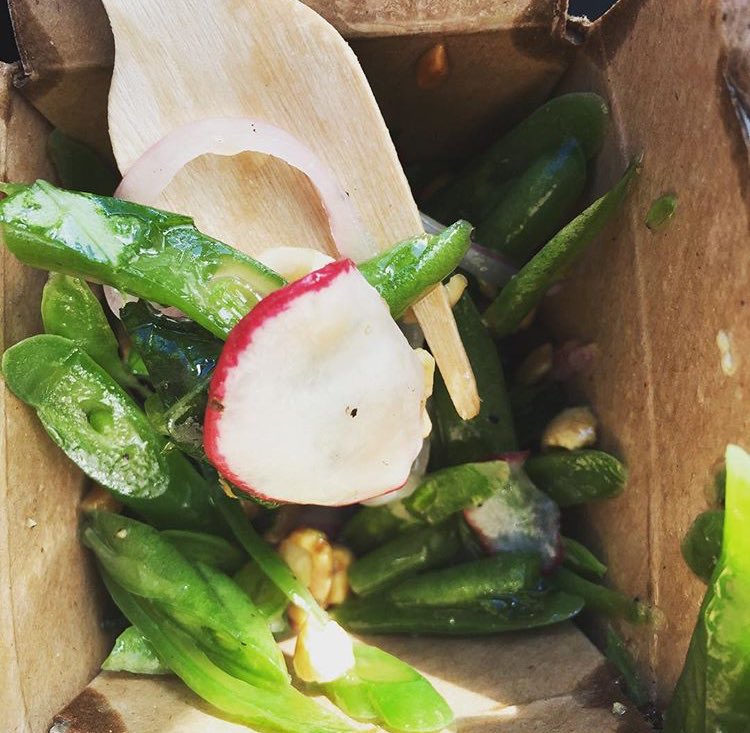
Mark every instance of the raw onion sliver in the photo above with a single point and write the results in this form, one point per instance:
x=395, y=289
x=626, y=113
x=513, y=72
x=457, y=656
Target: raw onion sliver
x=153, y=171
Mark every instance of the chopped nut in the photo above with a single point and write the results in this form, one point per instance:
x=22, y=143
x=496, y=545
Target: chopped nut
x=433, y=67
x=455, y=287
x=31, y=523
x=618, y=709
x=121, y=534
x=342, y=559
x=99, y=500
x=573, y=428
x=310, y=556
x=537, y=365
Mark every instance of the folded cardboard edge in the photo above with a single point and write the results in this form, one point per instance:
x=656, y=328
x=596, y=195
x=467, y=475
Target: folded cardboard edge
x=50, y=605
x=65, y=73
x=666, y=301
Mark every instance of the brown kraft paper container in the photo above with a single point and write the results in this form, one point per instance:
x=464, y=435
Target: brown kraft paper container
x=677, y=76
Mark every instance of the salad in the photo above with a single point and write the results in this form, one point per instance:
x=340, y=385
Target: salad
x=273, y=455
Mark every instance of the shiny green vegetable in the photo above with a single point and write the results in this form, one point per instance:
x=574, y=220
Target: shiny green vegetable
x=578, y=476
x=661, y=211
x=404, y=273
x=618, y=654
x=70, y=309
x=552, y=263
x=509, y=613
x=489, y=577
x=701, y=546
x=278, y=708
x=477, y=189
x=208, y=549
x=581, y=559
x=491, y=432
x=600, y=599
x=205, y=603
x=179, y=355
x=373, y=525
x=406, y=555
x=268, y=599
x=712, y=693
x=155, y=255
x=451, y=490
x=382, y=688
x=536, y=205
x=133, y=653
x=102, y=430
x=79, y=167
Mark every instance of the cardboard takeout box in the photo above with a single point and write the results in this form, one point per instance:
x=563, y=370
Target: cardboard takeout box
x=668, y=311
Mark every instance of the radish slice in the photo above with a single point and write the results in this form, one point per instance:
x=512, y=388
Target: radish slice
x=317, y=397
x=518, y=518
x=153, y=171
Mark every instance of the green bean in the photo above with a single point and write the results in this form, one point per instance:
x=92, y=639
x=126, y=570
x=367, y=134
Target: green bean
x=404, y=556
x=491, y=432
x=525, y=291
x=490, y=577
x=577, y=476
x=267, y=598
x=70, y=309
x=580, y=559
x=207, y=549
x=104, y=433
x=476, y=189
x=618, y=654
x=373, y=525
x=451, y=490
x=536, y=205
x=511, y=613
x=701, y=546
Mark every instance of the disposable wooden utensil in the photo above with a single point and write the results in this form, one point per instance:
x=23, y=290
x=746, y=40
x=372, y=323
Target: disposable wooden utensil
x=276, y=61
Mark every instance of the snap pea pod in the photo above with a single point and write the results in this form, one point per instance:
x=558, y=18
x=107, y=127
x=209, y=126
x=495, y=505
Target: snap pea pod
x=552, y=262
x=712, y=692
x=102, y=430
x=178, y=354
x=79, y=167
x=489, y=577
x=161, y=257
x=454, y=489
x=155, y=255
x=373, y=525
x=205, y=603
x=404, y=556
x=582, y=116
x=600, y=599
x=278, y=708
x=701, y=546
x=618, y=654
x=404, y=273
x=208, y=549
x=577, y=476
x=267, y=598
x=511, y=613
x=70, y=309
x=580, y=559
x=536, y=205
x=182, y=421
x=382, y=688
x=491, y=432
x=132, y=652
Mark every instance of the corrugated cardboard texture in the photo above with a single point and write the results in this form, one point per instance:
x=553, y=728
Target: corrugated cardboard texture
x=50, y=643
x=656, y=302
x=504, y=58
x=552, y=681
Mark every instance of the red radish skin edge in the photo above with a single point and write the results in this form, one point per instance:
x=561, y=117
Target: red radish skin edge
x=240, y=337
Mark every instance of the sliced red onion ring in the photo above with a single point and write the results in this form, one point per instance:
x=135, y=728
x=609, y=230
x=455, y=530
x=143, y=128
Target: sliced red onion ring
x=485, y=264
x=154, y=170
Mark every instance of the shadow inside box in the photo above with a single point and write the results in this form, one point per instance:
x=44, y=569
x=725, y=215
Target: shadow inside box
x=482, y=674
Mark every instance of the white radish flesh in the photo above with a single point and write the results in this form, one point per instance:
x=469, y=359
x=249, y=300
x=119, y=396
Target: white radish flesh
x=317, y=396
